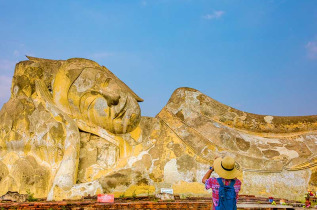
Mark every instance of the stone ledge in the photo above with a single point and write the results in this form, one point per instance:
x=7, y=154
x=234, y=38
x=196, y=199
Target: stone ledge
x=189, y=204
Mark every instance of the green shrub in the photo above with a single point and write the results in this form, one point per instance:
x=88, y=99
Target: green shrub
x=133, y=194
x=30, y=197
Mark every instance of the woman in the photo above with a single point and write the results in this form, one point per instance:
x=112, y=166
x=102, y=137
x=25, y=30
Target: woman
x=225, y=189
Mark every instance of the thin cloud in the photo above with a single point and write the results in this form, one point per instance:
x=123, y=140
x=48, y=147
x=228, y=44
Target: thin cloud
x=5, y=86
x=144, y=3
x=16, y=53
x=6, y=65
x=215, y=15
x=311, y=48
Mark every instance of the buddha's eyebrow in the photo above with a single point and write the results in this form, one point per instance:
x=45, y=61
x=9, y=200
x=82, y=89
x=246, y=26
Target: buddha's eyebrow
x=107, y=81
x=101, y=77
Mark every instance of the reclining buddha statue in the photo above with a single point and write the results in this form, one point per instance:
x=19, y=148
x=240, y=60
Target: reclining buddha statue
x=72, y=128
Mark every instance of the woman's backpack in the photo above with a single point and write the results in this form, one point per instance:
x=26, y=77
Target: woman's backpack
x=227, y=196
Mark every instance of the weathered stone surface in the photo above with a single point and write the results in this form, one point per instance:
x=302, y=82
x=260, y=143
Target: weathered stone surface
x=164, y=196
x=53, y=102
x=274, y=152
x=14, y=197
x=72, y=128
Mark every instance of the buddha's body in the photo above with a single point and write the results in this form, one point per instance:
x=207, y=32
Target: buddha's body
x=71, y=128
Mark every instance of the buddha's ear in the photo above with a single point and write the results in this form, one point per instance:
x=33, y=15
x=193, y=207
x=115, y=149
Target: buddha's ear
x=69, y=165
x=43, y=92
x=64, y=78
x=44, y=95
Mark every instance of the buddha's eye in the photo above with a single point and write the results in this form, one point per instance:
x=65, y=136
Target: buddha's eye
x=104, y=83
x=102, y=80
x=94, y=93
x=98, y=75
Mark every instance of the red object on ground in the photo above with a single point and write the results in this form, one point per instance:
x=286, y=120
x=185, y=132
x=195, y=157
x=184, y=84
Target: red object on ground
x=307, y=203
x=105, y=198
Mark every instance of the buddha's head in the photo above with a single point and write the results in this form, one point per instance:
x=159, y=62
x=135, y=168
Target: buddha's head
x=91, y=93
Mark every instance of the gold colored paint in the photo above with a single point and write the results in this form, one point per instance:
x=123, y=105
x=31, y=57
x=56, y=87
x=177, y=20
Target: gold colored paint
x=140, y=190
x=65, y=113
x=124, y=148
x=136, y=133
x=137, y=150
x=189, y=188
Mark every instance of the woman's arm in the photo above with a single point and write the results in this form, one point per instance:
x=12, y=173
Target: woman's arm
x=207, y=175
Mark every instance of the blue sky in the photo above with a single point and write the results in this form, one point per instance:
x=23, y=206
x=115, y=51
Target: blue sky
x=258, y=56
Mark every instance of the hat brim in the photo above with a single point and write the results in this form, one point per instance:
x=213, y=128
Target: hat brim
x=224, y=173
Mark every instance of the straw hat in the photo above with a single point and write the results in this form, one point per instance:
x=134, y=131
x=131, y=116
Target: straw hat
x=226, y=167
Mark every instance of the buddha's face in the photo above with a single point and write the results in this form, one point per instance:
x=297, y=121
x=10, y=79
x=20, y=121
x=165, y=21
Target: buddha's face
x=97, y=96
